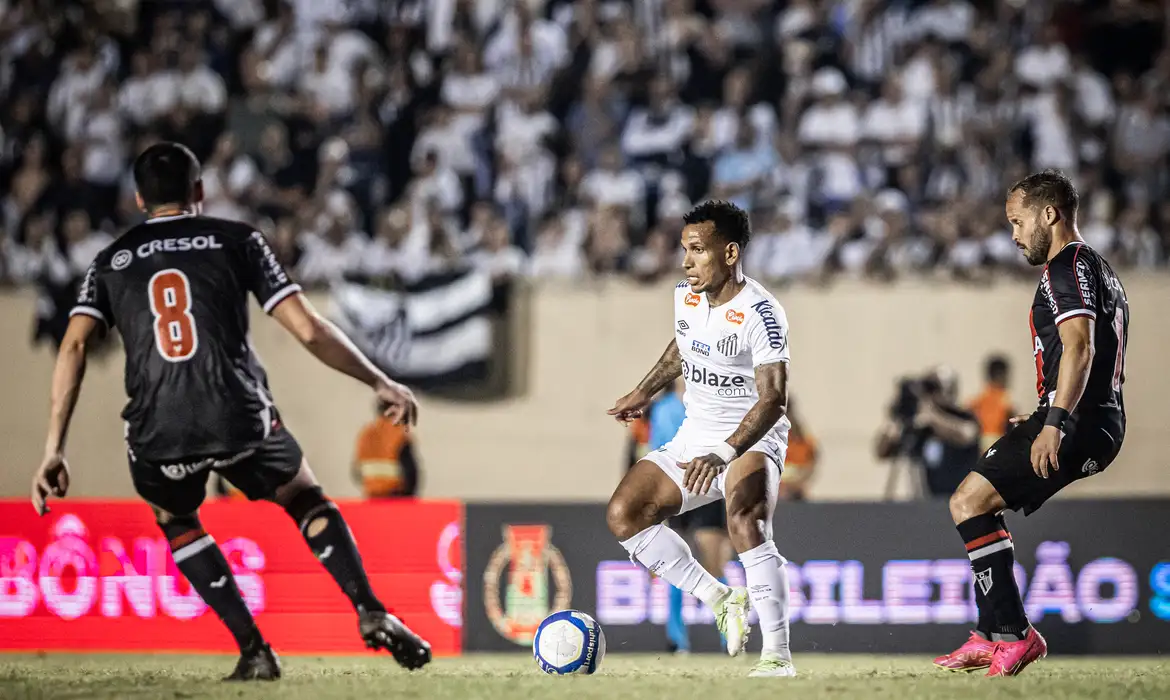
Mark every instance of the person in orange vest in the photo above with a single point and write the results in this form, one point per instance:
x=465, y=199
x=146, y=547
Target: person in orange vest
x=800, y=461
x=384, y=463
x=993, y=407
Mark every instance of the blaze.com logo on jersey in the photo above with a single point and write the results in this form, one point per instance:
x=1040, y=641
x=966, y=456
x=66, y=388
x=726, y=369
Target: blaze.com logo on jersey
x=724, y=385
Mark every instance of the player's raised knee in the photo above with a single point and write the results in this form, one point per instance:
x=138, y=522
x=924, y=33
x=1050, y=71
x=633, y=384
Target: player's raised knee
x=626, y=518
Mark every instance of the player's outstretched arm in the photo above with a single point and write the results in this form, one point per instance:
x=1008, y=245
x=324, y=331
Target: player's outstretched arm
x=329, y=345
x=772, y=385
x=666, y=370
x=52, y=478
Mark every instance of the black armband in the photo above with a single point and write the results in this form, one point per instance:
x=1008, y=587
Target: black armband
x=1057, y=417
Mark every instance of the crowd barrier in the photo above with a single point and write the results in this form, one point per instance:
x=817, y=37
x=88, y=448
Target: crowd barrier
x=876, y=578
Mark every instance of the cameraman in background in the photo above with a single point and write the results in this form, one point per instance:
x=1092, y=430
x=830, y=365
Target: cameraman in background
x=928, y=428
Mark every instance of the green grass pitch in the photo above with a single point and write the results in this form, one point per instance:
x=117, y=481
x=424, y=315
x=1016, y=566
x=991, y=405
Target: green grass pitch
x=622, y=677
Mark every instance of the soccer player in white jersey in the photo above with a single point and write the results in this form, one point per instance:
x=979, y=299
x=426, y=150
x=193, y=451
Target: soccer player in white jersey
x=731, y=347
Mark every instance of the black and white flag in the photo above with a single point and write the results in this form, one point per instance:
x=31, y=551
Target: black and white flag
x=435, y=332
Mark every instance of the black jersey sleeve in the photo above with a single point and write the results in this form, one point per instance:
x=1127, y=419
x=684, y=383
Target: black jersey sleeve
x=267, y=278
x=93, y=298
x=1074, y=283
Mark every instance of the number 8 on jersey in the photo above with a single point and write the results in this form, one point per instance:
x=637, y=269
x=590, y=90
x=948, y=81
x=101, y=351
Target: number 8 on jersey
x=174, y=326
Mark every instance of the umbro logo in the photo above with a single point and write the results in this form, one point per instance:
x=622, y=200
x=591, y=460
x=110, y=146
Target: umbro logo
x=682, y=326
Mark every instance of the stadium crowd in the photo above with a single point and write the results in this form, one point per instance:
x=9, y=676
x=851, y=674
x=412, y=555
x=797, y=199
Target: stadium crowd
x=558, y=138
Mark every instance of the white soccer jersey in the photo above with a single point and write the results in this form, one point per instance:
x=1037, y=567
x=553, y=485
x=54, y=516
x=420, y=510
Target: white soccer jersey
x=721, y=347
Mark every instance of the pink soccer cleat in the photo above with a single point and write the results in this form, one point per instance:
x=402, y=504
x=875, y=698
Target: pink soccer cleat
x=1009, y=658
x=974, y=655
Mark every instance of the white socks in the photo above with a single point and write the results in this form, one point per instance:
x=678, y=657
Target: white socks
x=767, y=584
x=667, y=556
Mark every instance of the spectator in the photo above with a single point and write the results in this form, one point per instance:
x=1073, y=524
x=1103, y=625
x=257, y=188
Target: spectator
x=895, y=123
x=594, y=120
x=993, y=406
x=791, y=250
x=742, y=172
x=199, y=88
x=557, y=253
x=82, y=242
x=831, y=128
x=338, y=249
x=443, y=105
x=611, y=185
x=498, y=256
x=385, y=464
x=656, y=135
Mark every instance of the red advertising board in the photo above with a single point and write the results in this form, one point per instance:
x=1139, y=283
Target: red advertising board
x=98, y=575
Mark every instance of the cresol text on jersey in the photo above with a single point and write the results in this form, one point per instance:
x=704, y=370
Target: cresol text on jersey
x=178, y=245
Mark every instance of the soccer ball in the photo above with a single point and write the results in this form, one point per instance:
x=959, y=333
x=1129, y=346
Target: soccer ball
x=568, y=642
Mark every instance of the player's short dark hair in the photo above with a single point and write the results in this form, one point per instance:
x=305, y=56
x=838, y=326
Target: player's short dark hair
x=997, y=367
x=166, y=173
x=729, y=221
x=1050, y=187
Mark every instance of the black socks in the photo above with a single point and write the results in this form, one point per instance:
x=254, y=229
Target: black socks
x=989, y=546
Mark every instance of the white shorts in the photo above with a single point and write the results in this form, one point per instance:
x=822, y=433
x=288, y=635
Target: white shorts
x=682, y=450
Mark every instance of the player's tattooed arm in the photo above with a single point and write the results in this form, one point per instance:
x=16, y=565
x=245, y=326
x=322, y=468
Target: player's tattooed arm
x=772, y=385
x=666, y=370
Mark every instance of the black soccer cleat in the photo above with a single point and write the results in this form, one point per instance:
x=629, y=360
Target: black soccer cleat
x=382, y=630
x=260, y=664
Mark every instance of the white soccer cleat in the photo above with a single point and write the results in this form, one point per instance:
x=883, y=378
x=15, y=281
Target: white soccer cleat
x=773, y=666
x=731, y=619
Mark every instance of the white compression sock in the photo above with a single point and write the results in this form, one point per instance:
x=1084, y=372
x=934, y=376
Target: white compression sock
x=667, y=556
x=767, y=583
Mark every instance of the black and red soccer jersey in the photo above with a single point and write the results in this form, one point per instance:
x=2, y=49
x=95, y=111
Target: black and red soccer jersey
x=177, y=290
x=1078, y=282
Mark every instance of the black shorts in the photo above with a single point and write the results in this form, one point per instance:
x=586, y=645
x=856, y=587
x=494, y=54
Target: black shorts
x=712, y=515
x=1090, y=444
x=178, y=486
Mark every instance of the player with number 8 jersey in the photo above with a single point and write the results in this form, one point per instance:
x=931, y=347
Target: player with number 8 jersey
x=177, y=289
x=173, y=286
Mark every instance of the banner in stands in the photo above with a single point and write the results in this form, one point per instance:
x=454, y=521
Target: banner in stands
x=98, y=575
x=866, y=578
x=434, y=332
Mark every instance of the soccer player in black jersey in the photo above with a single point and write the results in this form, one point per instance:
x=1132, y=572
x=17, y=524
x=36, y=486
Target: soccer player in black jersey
x=177, y=289
x=1079, y=321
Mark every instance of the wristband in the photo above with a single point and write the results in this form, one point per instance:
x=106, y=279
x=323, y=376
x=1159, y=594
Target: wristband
x=1057, y=417
x=725, y=452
